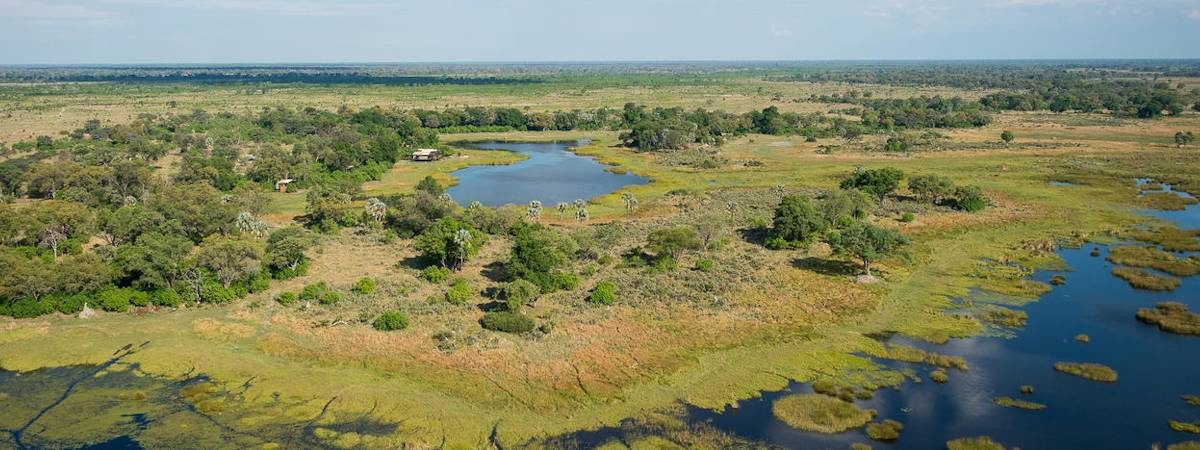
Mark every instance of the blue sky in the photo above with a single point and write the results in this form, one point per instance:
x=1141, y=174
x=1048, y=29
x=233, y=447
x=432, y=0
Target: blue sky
x=220, y=31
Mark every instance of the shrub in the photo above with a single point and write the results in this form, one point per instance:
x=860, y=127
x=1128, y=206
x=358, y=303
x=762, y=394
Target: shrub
x=391, y=321
x=69, y=304
x=877, y=182
x=435, y=274
x=167, y=297
x=365, y=285
x=930, y=188
x=797, y=220
x=970, y=199
x=908, y=217
x=285, y=298
x=313, y=292
x=460, y=292
x=214, y=292
x=28, y=308
x=139, y=298
x=565, y=281
x=605, y=293
x=507, y=322
x=520, y=293
x=259, y=283
x=330, y=297
x=705, y=265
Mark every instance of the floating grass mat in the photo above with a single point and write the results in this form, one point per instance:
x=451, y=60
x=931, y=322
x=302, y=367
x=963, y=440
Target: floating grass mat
x=1146, y=280
x=1154, y=258
x=1026, y=389
x=887, y=431
x=1058, y=280
x=1171, y=317
x=1193, y=400
x=1005, y=317
x=975, y=443
x=859, y=446
x=1090, y=371
x=915, y=355
x=820, y=414
x=1009, y=402
x=939, y=376
x=1083, y=338
x=1171, y=239
x=1166, y=201
x=1184, y=427
x=1189, y=445
x=844, y=393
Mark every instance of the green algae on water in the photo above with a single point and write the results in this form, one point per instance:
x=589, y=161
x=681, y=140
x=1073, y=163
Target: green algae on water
x=1090, y=371
x=820, y=414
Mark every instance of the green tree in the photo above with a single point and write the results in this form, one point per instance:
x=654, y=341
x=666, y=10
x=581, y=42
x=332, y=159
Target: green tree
x=518, y=293
x=672, y=242
x=1007, y=136
x=1182, y=138
x=970, y=199
x=57, y=221
x=450, y=242
x=125, y=224
x=538, y=254
x=156, y=261
x=930, y=188
x=842, y=205
x=325, y=207
x=796, y=220
x=877, y=182
x=866, y=242
x=430, y=186
x=285, y=249
x=228, y=259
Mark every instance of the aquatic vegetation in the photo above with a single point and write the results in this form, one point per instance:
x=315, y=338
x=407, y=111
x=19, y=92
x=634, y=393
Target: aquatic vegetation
x=1193, y=400
x=939, y=376
x=1189, y=445
x=1171, y=317
x=915, y=355
x=1058, y=280
x=888, y=430
x=1083, y=338
x=1185, y=427
x=844, y=393
x=1166, y=201
x=859, y=446
x=1143, y=279
x=1009, y=402
x=1150, y=257
x=976, y=443
x=1090, y=371
x=1171, y=239
x=1005, y=317
x=819, y=413
x=1026, y=389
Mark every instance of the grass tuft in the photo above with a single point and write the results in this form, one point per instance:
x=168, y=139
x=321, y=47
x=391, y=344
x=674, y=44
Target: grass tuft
x=820, y=414
x=1090, y=371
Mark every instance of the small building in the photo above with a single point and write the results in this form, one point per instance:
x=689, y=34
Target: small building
x=282, y=185
x=427, y=154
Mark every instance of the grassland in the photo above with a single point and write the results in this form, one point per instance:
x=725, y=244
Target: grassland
x=766, y=318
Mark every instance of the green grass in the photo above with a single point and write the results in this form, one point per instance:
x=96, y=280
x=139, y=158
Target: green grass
x=1009, y=402
x=820, y=414
x=1146, y=280
x=1149, y=257
x=1089, y=371
x=1172, y=317
x=976, y=443
x=888, y=430
x=1185, y=427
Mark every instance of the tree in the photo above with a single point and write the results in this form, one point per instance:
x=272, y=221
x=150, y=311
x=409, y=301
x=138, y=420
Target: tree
x=155, y=261
x=324, y=208
x=538, y=254
x=125, y=224
x=228, y=259
x=631, y=202
x=671, y=242
x=430, y=186
x=286, y=247
x=709, y=231
x=57, y=221
x=1007, y=136
x=842, y=205
x=796, y=220
x=866, y=242
x=198, y=209
x=877, y=182
x=518, y=293
x=375, y=210
x=449, y=241
x=930, y=188
x=970, y=199
x=1182, y=138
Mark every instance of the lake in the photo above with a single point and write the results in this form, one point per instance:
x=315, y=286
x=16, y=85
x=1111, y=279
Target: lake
x=552, y=174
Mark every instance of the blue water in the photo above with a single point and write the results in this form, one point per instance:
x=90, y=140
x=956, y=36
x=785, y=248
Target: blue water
x=552, y=174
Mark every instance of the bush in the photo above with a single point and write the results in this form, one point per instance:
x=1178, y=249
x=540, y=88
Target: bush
x=908, y=217
x=507, y=322
x=435, y=274
x=259, y=283
x=460, y=292
x=391, y=321
x=877, y=182
x=216, y=293
x=113, y=299
x=288, y=273
x=605, y=293
x=285, y=298
x=970, y=199
x=520, y=293
x=69, y=304
x=28, y=308
x=364, y=286
x=313, y=291
x=167, y=297
x=139, y=298
x=564, y=281
x=705, y=265
x=330, y=297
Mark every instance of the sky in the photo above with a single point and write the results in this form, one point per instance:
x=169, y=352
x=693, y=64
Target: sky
x=278, y=31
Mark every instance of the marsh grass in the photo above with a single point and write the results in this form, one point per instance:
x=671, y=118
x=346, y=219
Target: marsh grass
x=1171, y=239
x=820, y=414
x=939, y=376
x=1189, y=445
x=1026, y=389
x=1005, y=317
x=888, y=430
x=1083, y=338
x=1146, y=280
x=1058, y=280
x=1193, y=400
x=1089, y=371
x=1009, y=402
x=1166, y=201
x=915, y=355
x=976, y=443
x=1172, y=317
x=1149, y=257
x=1185, y=427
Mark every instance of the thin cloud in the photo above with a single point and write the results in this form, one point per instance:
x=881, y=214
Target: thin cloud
x=43, y=11
x=279, y=7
